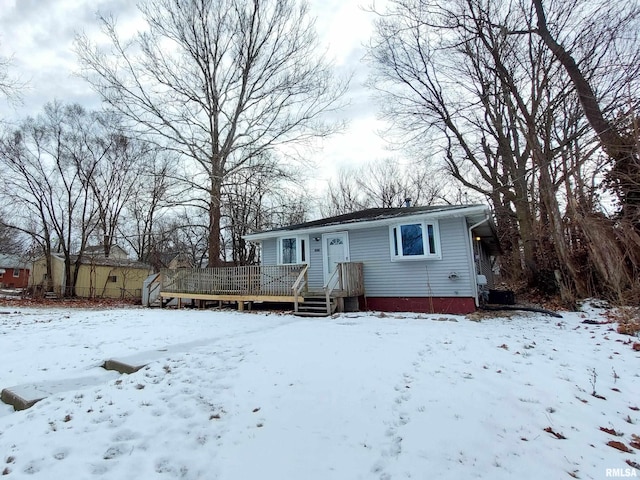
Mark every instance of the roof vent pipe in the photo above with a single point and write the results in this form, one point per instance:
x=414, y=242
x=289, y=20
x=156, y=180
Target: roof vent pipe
x=407, y=202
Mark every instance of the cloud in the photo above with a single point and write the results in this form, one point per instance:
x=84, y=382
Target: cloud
x=40, y=35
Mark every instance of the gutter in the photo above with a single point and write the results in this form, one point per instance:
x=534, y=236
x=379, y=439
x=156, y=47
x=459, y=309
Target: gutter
x=474, y=280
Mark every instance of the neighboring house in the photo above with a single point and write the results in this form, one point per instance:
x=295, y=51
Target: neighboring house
x=422, y=259
x=160, y=260
x=98, y=276
x=181, y=260
x=14, y=271
x=98, y=251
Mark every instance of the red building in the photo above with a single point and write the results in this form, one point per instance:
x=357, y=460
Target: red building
x=14, y=272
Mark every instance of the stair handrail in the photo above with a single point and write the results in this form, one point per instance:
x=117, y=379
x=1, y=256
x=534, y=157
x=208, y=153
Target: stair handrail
x=334, y=280
x=154, y=286
x=151, y=287
x=299, y=285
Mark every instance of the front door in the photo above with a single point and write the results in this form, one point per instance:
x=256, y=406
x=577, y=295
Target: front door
x=335, y=250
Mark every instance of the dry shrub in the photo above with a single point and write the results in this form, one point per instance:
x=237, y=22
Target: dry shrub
x=627, y=318
x=614, y=253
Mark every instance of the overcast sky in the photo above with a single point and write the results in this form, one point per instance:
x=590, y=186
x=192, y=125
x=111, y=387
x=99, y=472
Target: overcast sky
x=39, y=35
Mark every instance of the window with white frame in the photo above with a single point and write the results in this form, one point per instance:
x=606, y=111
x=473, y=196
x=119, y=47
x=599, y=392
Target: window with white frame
x=293, y=249
x=415, y=241
x=16, y=272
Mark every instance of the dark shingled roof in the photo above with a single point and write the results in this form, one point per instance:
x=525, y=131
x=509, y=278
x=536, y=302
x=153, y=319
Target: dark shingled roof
x=370, y=214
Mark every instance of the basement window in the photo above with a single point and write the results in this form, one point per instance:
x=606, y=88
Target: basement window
x=415, y=241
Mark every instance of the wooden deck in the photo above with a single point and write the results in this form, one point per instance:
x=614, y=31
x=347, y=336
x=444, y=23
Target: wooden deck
x=256, y=283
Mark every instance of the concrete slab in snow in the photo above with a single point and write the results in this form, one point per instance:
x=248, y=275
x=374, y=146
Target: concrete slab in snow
x=25, y=396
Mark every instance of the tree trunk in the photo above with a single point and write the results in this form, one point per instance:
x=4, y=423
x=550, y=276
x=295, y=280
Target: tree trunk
x=625, y=174
x=215, y=215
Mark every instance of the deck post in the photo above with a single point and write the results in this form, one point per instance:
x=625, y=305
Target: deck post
x=240, y=306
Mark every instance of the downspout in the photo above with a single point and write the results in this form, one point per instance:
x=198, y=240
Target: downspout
x=474, y=278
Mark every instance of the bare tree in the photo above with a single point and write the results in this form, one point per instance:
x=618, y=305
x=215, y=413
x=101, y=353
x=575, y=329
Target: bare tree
x=383, y=183
x=499, y=112
x=622, y=147
x=71, y=172
x=182, y=232
x=264, y=194
x=56, y=209
x=220, y=82
x=11, y=241
x=10, y=86
x=343, y=195
x=116, y=176
x=154, y=194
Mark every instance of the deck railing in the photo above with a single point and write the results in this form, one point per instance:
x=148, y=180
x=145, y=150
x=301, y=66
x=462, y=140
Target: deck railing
x=351, y=279
x=299, y=286
x=347, y=278
x=271, y=280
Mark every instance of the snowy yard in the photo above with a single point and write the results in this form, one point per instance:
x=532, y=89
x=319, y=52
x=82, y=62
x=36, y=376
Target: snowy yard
x=360, y=396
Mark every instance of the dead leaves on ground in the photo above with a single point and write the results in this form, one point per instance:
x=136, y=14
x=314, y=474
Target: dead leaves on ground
x=619, y=446
x=635, y=441
x=559, y=436
x=633, y=464
x=611, y=431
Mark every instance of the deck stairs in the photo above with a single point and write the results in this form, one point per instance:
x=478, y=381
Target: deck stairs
x=315, y=305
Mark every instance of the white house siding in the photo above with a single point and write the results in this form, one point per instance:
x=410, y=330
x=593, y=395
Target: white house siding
x=414, y=278
x=269, y=252
x=314, y=275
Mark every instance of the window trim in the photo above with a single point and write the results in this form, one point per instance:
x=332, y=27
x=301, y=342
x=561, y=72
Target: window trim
x=395, y=238
x=302, y=249
x=16, y=273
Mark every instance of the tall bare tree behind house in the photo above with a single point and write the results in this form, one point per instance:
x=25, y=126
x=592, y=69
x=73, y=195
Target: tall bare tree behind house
x=220, y=82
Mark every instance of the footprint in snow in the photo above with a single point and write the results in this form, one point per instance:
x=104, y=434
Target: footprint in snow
x=115, y=451
x=61, y=454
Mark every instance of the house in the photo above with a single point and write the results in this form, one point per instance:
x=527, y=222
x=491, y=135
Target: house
x=14, y=271
x=98, y=276
x=421, y=259
x=115, y=251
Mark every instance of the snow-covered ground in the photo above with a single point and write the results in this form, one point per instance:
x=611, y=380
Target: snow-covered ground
x=360, y=396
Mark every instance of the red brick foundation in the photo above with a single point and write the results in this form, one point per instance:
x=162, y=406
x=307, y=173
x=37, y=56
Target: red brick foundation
x=453, y=305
